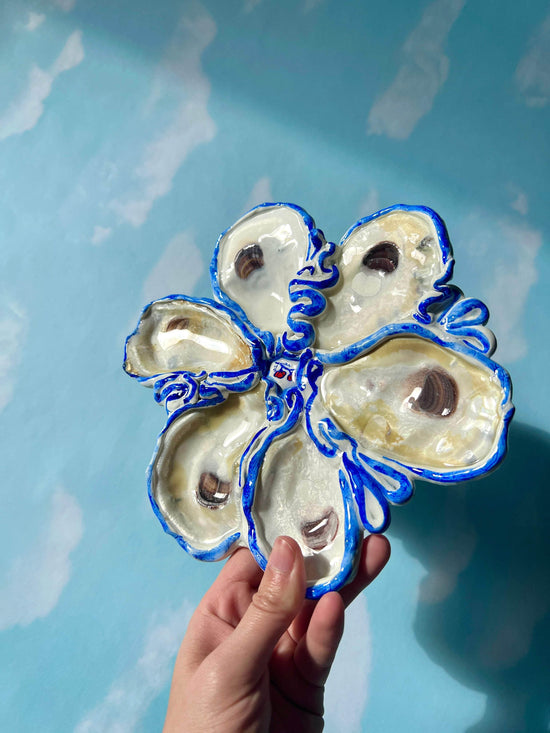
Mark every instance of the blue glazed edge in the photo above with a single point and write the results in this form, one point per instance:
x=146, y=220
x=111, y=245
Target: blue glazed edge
x=444, y=241
x=445, y=247
x=250, y=337
x=362, y=482
x=448, y=308
x=361, y=347
x=215, y=553
x=307, y=300
x=456, y=322
x=405, y=489
x=352, y=529
x=254, y=466
x=222, y=297
x=353, y=537
x=353, y=532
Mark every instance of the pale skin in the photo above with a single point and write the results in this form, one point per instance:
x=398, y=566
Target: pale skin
x=256, y=655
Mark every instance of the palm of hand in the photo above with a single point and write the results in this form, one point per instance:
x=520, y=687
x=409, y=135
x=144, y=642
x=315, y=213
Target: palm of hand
x=257, y=658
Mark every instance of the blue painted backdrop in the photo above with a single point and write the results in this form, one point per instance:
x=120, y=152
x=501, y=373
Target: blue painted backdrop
x=131, y=134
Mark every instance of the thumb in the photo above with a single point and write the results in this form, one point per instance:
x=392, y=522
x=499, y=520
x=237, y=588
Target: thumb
x=278, y=600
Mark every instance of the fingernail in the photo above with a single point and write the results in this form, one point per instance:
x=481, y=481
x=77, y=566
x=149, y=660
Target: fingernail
x=282, y=556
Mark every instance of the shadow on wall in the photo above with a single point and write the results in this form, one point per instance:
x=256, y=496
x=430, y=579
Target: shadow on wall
x=484, y=607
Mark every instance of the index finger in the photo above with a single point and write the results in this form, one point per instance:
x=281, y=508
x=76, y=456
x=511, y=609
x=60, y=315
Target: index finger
x=229, y=595
x=221, y=608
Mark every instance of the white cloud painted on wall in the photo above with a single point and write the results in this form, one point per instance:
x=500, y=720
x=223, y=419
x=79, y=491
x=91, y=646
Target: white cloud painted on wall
x=347, y=694
x=13, y=330
x=190, y=127
x=370, y=204
x=514, y=276
x=520, y=202
x=177, y=271
x=310, y=5
x=260, y=194
x=65, y=5
x=37, y=578
x=25, y=111
x=131, y=695
x=100, y=234
x=34, y=21
x=71, y=55
x=422, y=74
x=532, y=75
x=512, y=248
x=249, y=5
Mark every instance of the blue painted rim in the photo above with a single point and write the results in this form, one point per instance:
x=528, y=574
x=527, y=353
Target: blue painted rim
x=352, y=529
x=445, y=247
x=369, y=343
x=255, y=344
x=215, y=553
x=362, y=478
x=222, y=297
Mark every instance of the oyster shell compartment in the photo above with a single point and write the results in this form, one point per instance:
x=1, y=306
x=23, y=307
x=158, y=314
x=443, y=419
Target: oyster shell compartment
x=317, y=384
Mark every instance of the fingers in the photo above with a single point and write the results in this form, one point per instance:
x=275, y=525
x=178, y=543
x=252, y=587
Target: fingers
x=317, y=647
x=221, y=608
x=316, y=650
x=278, y=600
x=235, y=622
x=240, y=567
x=375, y=554
x=230, y=594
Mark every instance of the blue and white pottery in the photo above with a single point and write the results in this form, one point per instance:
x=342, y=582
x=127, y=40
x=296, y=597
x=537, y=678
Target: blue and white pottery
x=320, y=380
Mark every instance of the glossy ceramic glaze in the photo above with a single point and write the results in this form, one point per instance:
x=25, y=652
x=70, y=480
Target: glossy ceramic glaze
x=305, y=398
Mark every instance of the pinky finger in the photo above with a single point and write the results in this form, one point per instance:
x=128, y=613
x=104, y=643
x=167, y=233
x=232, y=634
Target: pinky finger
x=375, y=554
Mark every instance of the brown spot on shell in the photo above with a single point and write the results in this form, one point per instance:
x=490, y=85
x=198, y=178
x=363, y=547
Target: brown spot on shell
x=320, y=532
x=383, y=257
x=249, y=259
x=177, y=323
x=212, y=492
x=438, y=395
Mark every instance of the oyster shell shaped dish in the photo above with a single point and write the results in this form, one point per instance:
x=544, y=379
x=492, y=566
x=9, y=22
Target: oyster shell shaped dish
x=317, y=384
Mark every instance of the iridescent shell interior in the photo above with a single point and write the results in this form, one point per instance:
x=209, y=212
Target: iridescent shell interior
x=321, y=380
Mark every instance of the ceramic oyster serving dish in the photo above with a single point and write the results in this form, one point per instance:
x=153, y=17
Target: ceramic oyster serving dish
x=317, y=384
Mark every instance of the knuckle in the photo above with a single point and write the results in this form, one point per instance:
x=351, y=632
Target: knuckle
x=270, y=601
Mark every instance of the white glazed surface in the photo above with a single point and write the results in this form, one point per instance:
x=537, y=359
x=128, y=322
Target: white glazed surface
x=210, y=440
x=297, y=484
x=335, y=388
x=365, y=299
x=283, y=238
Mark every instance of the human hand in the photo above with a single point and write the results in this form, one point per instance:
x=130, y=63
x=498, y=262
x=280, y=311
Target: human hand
x=256, y=654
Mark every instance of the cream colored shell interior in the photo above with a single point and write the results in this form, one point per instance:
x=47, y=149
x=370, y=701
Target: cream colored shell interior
x=178, y=335
x=372, y=399
x=281, y=508
x=207, y=441
x=364, y=300
x=283, y=238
